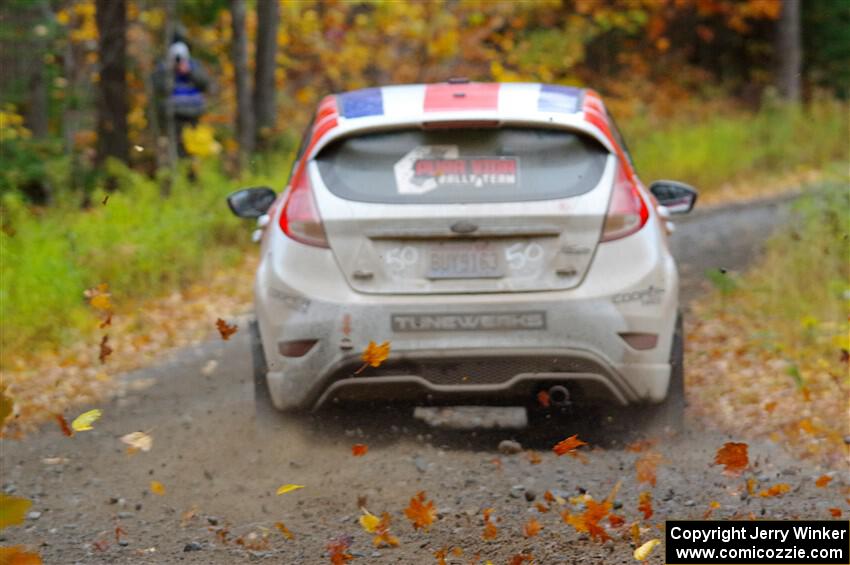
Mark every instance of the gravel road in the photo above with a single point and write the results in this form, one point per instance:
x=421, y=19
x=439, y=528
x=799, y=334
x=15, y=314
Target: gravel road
x=221, y=467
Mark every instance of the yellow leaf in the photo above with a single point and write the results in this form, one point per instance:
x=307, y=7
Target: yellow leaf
x=12, y=510
x=283, y=489
x=283, y=530
x=158, y=488
x=642, y=553
x=84, y=421
x=200, y=141
x=137, y=441
x=369, y=521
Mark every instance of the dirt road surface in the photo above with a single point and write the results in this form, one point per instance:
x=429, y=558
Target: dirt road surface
x=220, y=466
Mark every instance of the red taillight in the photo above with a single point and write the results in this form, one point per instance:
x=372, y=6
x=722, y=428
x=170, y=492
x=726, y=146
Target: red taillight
x=300, y=218
x=627, y=212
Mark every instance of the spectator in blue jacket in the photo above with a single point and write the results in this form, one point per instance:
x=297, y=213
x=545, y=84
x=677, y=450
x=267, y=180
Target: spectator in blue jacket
x=180, y=83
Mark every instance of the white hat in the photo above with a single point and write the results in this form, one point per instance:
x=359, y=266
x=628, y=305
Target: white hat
x=178, y=50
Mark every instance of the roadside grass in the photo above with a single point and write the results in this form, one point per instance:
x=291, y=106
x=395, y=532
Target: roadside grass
x=138, y=243
x=767, y=351
x=712, y=149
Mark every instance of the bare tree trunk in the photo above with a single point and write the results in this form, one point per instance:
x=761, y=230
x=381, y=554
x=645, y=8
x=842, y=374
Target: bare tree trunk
x=37, y=111
x=112, y=105
x=789, y=51
x=170, y=149
x=239, y=54
x=268, y=18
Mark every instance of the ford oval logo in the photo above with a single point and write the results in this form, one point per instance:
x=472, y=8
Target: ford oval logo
x=464, y=227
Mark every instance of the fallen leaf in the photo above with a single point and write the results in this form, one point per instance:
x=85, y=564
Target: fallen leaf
x=646, y=467
x=157, y=488
x=822, y=481
x=775, y=490
x=569, y=446
x=99, y=297
x=375, y=354
x=645, y=504
x=188, y=516
x=359, y=449
x=770, y=406
x=616, y=521
x=521, y=558
x=106, y=198
x=119, y=531
x=100, y=545
x=542, y=508
x=641, y=445
x=6, y=406
x=807, y=426
x=751, y=486
x=105, y=350
x=226, y=330
x=634, y=531
x=369, y=521
x=490, y=530
x=531, y=528
x=338, y=550
x=543, y=399
x=712, y=506
x=420, y=511
x=642, y=553
x=836, y=512
x=361, y=501
x=733, y=456
x=137, y=441
x=17, y=555
x=63, y=425
x=533, y=457
x=283, y=489
x=589, y=521
x=281, y=527
x=84, y=421
x=383, y=537
x=107, y=321
x=13, y=509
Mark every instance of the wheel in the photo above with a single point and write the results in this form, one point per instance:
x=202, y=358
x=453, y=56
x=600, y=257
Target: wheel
x=262, y=397
x=670, y=414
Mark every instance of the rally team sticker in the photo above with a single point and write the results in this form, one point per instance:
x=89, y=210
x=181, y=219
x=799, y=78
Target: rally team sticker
x=429, y=167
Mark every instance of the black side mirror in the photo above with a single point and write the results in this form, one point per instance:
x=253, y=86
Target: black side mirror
x=677, y=197
x=251, y=202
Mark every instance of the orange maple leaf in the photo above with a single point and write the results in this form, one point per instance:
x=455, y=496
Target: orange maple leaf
x=822, y=481
x=641, y=445
x=543, y=399
x=375, y=354
x=542, y=508
x=420, y=511
x=775, y=490
x=521, y=558
x=338, y=550
x=226, y=330
x=382, y=533
x=531, y=528
x=63, y=425
x=569, y=446
x=533, y=457
x=646, y=467
x=490, y=529
x=616, y=521
x=645, y=504
x=281, y=527
x=595, y=512
x=17, y=555
x=836, y=512
x=733, y=456
x=359, y=449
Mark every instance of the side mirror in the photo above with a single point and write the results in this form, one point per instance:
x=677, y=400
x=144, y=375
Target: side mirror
x=251, y=202
x=677, y=197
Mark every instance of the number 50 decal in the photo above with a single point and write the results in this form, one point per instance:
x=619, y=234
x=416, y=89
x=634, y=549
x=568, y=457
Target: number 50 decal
x=400, y=257
x=519, y=255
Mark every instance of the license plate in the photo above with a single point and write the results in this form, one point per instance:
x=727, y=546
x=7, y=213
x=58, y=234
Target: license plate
x=464, y=263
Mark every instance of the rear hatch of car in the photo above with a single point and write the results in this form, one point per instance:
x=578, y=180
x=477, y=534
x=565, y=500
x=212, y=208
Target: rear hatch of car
x=463, y=210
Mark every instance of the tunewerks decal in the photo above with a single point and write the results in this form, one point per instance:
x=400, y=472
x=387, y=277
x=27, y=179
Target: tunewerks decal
x=469, y=322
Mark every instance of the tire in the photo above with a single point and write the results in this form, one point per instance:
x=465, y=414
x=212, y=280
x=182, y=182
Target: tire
x=262, y=397
x=670, y=414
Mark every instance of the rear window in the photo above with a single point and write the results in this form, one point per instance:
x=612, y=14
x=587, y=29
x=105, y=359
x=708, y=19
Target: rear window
x=462, y=165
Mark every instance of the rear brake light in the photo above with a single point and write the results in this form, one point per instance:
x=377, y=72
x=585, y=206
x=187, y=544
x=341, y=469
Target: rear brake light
x=627, y=212
x=300, y=218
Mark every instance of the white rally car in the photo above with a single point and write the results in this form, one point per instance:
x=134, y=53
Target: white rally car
x=497, y=235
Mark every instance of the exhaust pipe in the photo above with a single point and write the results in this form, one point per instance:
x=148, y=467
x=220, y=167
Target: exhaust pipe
x=559, y=395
